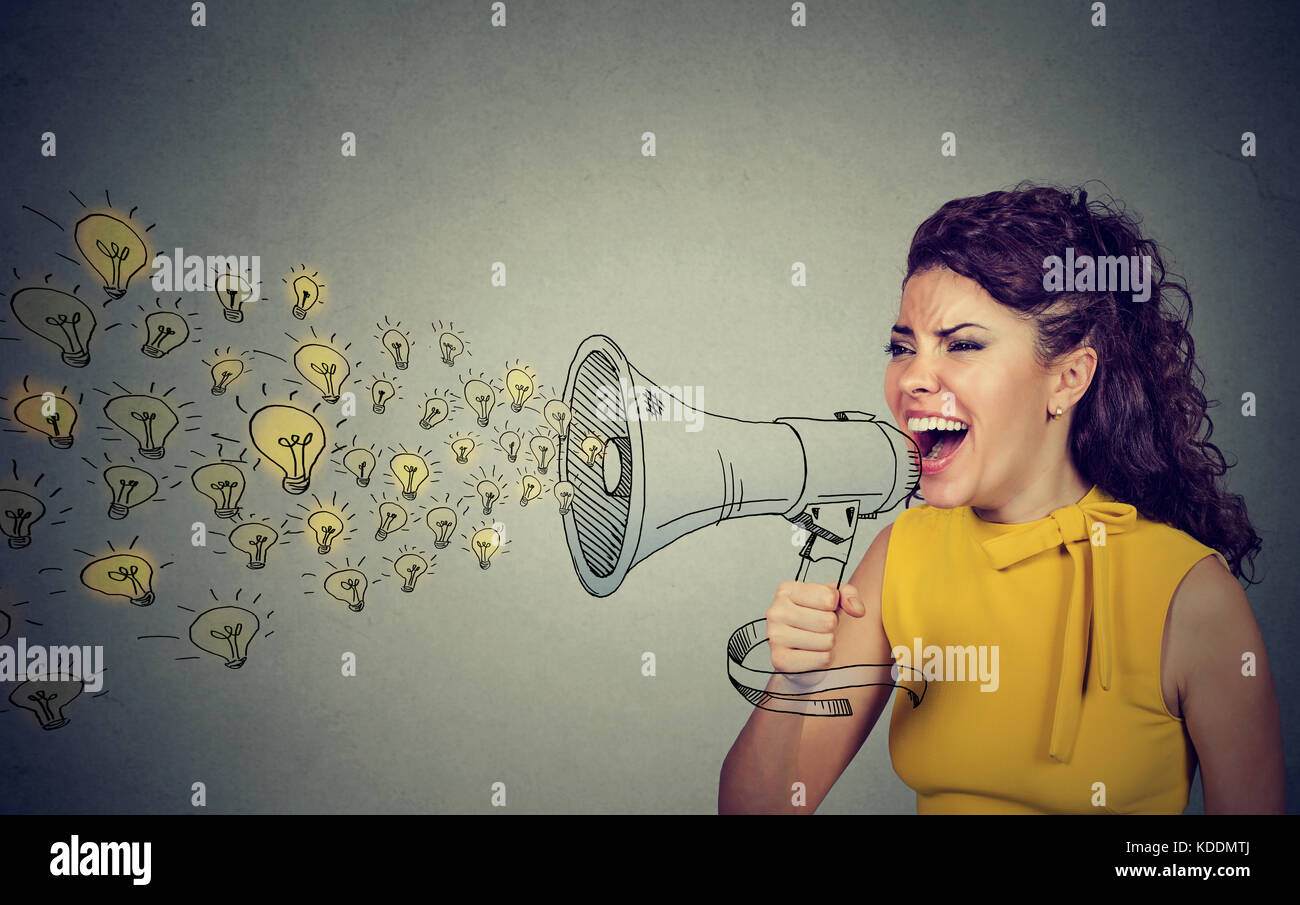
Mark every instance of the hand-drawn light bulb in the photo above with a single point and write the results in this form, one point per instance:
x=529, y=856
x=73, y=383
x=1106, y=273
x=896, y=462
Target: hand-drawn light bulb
x=18, y=512
x=225, y=632
x=451, y=347
x=129, y=487
x=361, y=462
x=392, y=517
x=63, y=319
x=520, y=387
x=306, y=292
x=509, y=443
x=531, y=489
x=223, y=483
x=381, y=391
x=409, y=567
x=121, y=575
x=232, y=292
x=593, y=449
x=543, y=451
x=113, y=248
x=480, y=397
x=462, y=448
x=290, y=438
x=442, y=522
x=147, y=419
x=398, y=346
x=323, y=368
x=349, y=586
x=224, y=373
x=164, y=331
x=50, y=414
x=488, y=493
x=254, y=539
x=435, y=412
x=564, y=493
x=410, y=471
x=46, y=698
x=326, y=527
x=486, y=541
x=557, y=415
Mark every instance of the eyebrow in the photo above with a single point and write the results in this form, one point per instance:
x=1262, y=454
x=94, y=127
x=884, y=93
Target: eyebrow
x=907, y=331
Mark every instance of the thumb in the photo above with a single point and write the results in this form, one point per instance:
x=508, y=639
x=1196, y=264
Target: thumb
x=850, y=601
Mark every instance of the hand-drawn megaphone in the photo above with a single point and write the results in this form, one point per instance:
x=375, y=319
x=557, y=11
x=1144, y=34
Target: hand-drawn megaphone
x=664, y=469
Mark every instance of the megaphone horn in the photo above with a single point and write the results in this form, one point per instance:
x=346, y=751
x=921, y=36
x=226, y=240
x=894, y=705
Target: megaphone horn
x=666, y=469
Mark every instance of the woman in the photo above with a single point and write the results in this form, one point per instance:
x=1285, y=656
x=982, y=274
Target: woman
x=1070, y=583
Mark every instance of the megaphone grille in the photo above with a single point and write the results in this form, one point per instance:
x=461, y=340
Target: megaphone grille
x=600, y=518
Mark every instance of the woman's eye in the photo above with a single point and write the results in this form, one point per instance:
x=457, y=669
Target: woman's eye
x=959, y=346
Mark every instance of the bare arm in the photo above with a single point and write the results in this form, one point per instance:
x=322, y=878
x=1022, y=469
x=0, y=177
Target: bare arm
x=1232, y=717
x=775, y=750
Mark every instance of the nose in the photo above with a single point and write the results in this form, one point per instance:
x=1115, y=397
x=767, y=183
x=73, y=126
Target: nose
x=918, y=375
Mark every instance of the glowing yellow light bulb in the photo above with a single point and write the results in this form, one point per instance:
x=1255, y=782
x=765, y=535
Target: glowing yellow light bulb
x=322, y=367
x=121, y=575
x=486, y=541
x=520, y=387
x=392, y=517
x=225, y=632
x=442, y=522
x=592, y=448
x=129, y=487
x=224, y=373
x=381, y=393
x=543, y=450
x=398, y=346
x=50, y=414
x=488, y=493
x=18, y=512
x=463, y=447
x=164, y=331
x=451, y=347
x=531, y=489
x=361, y=462
x=147, y=419
x=435, y=412
x=480, y=397
x=409, y=567
x=410, y=471
x=223, y=483
x=63, y=319
x=564, y=493
x=326, y=527
x=292, y=439
x=306, y=292
x=349, y=586
x=254, y=539
x=557, y=415
x=232, y=292
x=113, y=248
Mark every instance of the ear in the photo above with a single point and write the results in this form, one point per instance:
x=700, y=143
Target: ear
x=1075, y=373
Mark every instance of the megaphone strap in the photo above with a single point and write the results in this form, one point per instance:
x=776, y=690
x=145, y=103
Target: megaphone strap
x=752, y=683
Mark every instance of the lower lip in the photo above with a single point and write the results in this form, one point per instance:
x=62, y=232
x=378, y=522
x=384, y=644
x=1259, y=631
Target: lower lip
x=934, y=466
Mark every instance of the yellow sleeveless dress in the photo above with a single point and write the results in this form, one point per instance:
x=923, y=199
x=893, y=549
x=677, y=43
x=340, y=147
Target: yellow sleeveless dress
x=1066, y=615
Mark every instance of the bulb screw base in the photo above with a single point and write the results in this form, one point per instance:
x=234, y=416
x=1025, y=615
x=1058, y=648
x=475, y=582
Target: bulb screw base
x=483, y=565
x=300, y=313
x=226, y=513
x=235, y=664
x=357, y=607
x=378, y=409
x=218, y=391
x=17, y=543
x=152, y=351
x=362, y=482
x=541, y=470
x=512, y=457
x=440, y=544
x=381, y=534
x=516, y=407
x=408, y=494
x=408, y=590
x=294, y=485
x=331, y=399
x=114, y=292
x=232, y=315
x=117, y=510
x=401, y=365
x=144, y=600
x=153, y=452
x=60, y=442
x=482, y=422
x=255, y=565
x=322, y=549
x=77, y=359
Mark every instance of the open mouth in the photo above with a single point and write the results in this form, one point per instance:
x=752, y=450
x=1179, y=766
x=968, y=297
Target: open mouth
x=940, y=444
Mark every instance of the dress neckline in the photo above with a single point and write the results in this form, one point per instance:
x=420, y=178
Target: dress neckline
x=1094, y=495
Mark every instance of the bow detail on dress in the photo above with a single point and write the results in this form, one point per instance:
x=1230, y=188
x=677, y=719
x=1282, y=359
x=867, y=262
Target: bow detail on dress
x=1073, y=527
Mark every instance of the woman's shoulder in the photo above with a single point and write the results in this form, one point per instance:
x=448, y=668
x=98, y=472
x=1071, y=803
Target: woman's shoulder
x=1162, y=541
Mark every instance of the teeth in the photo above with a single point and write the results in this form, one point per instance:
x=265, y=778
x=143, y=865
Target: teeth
x=930, y=424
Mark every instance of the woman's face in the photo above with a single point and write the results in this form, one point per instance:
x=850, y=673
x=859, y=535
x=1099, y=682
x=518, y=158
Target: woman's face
x=985, y=377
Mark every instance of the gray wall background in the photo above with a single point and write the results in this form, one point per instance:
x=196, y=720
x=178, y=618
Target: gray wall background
x=775, y=144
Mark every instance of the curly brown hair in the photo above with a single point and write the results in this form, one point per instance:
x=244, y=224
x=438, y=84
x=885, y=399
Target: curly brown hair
x=1136, y=431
